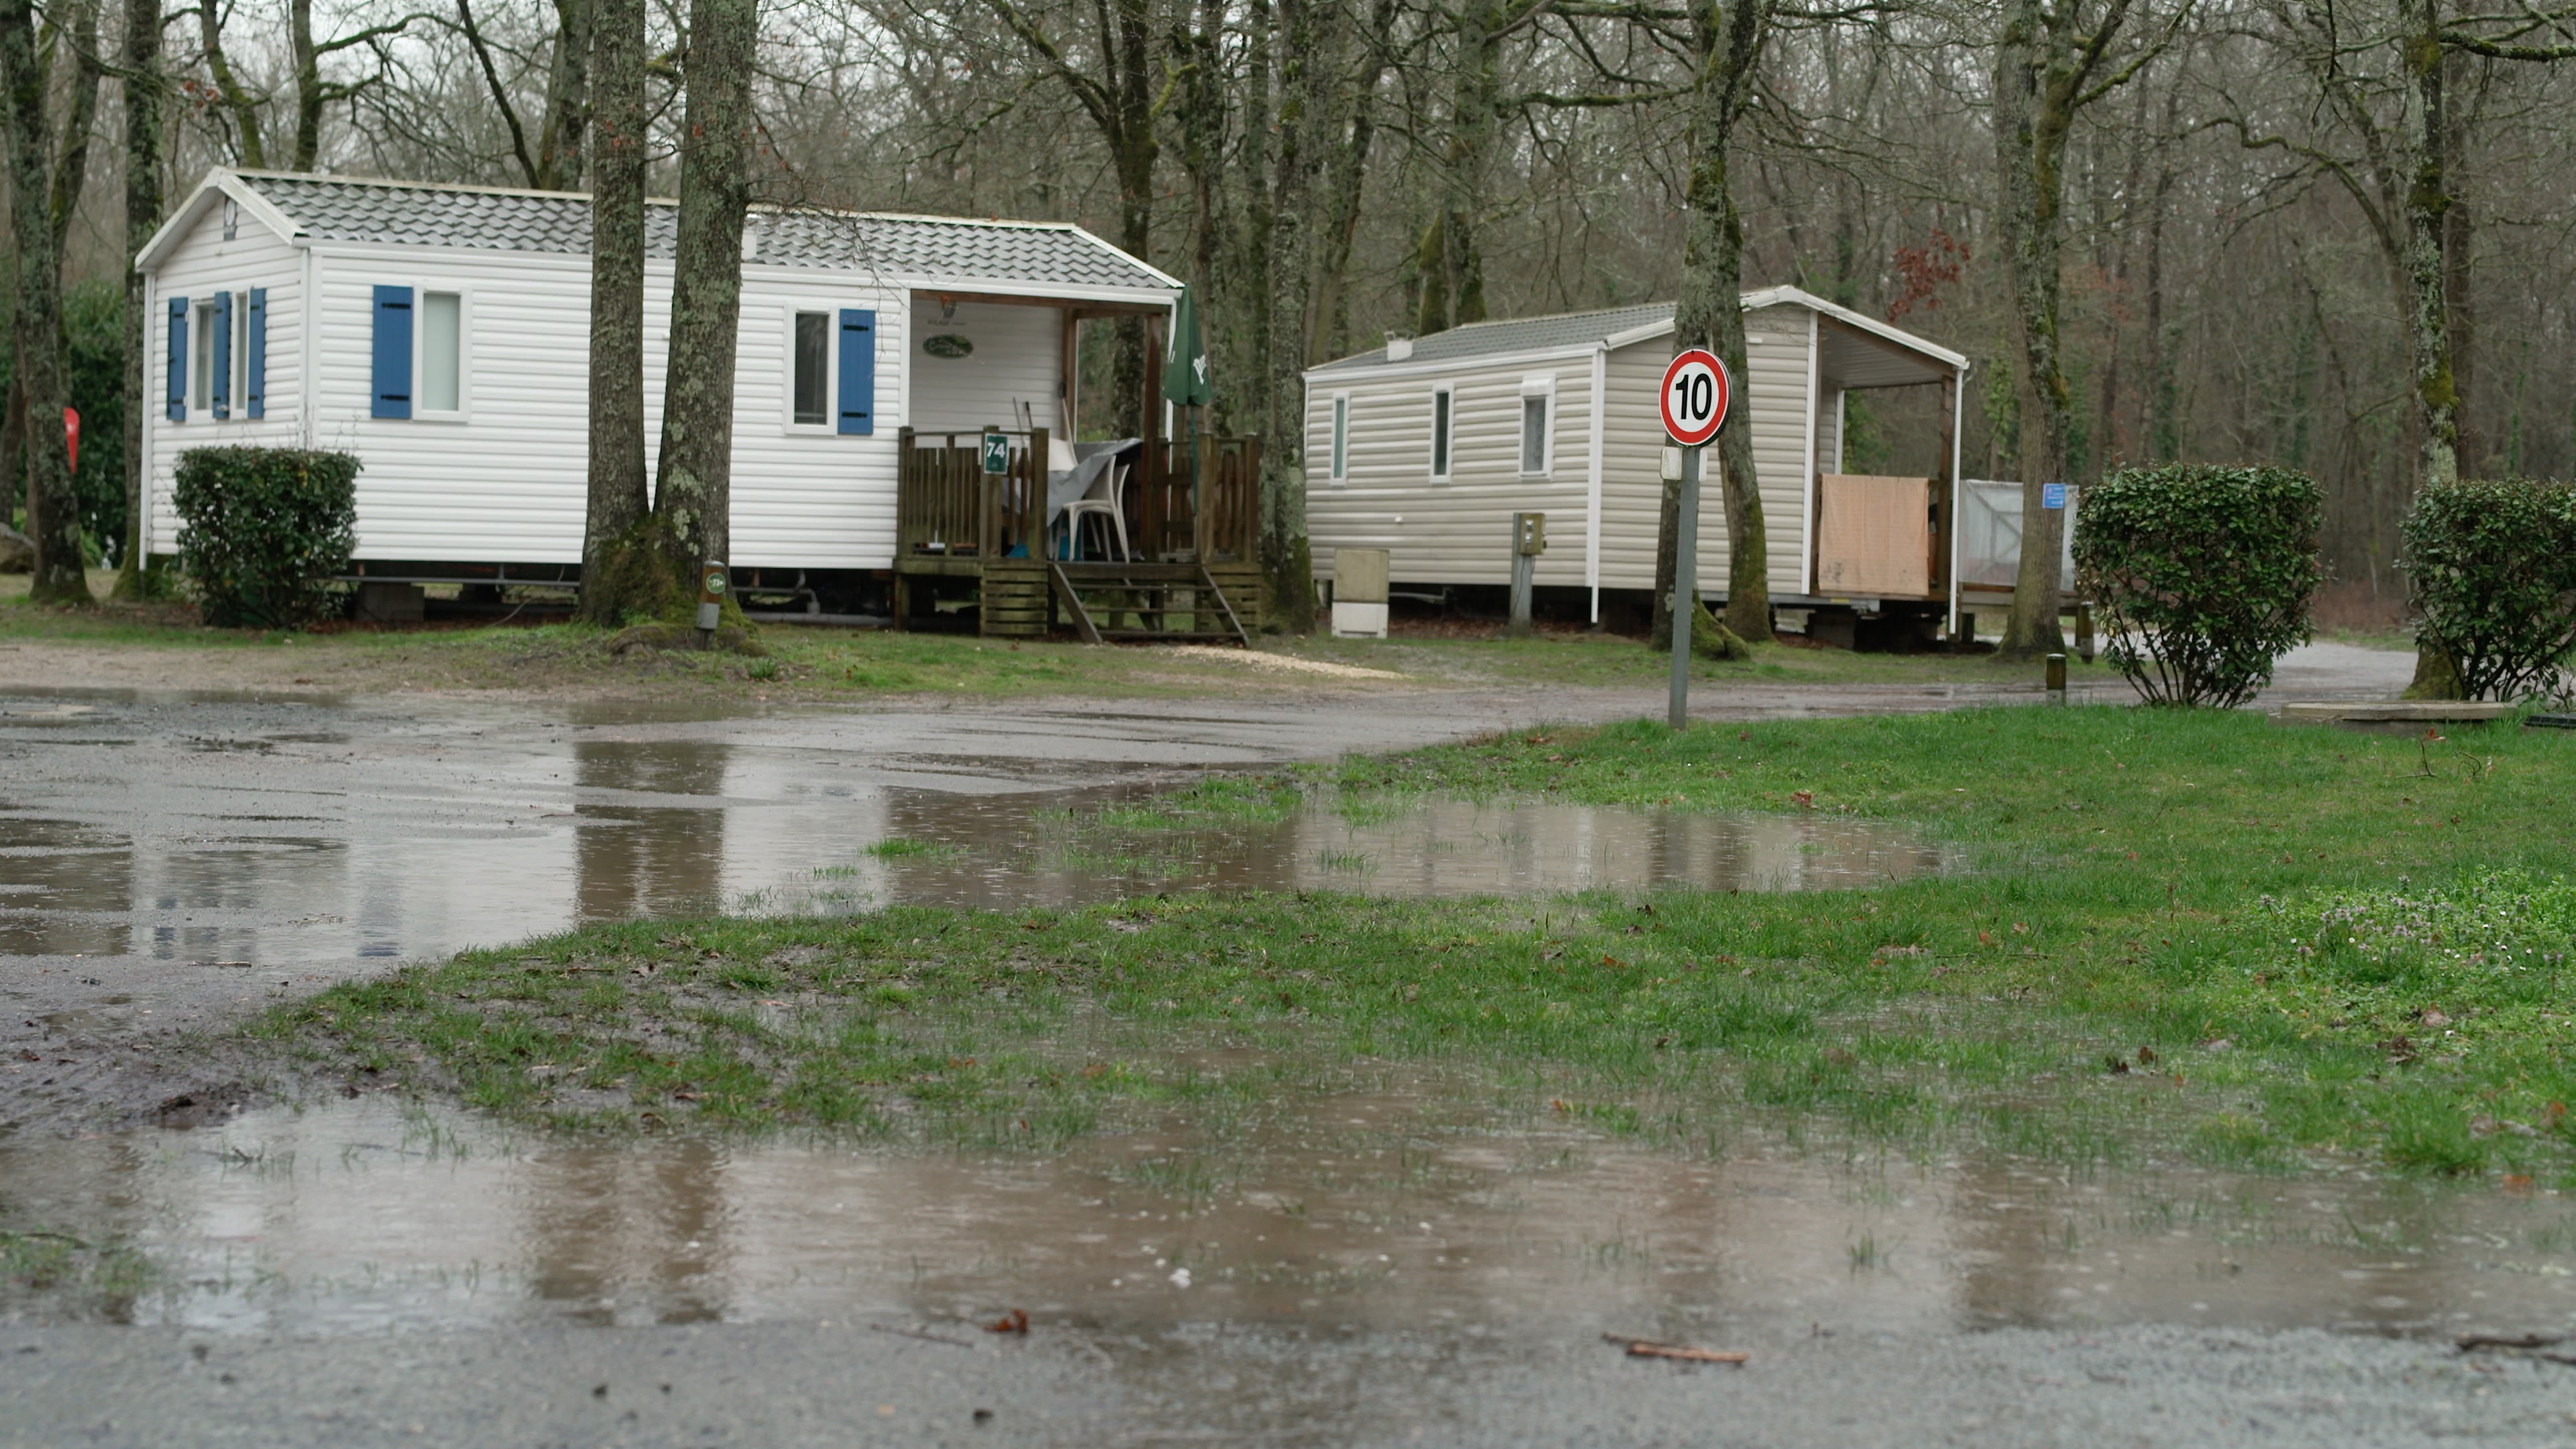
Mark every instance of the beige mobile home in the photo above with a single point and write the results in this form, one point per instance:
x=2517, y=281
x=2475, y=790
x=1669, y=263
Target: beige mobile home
x=1427, y=448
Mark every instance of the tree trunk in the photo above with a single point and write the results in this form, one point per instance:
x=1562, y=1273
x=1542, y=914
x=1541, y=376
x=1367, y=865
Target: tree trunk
x=2424, y=274
x=620, y=569
x=71, y=166
x=1453, y=283
x=143, y=102
x=693, y=496
x=2428, y=329
x=2032, y=115
x=1727, y=46
x=1331, y=333
x=562, y=144
x=308, y=84
x=239, y=104
x=54, y=520
x=1134, y=84
x=1286, y=557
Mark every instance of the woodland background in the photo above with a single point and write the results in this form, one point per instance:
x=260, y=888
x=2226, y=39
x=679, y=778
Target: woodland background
x=2233, y=222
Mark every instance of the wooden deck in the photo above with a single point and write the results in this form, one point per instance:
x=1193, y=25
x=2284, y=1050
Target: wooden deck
x=1192, y=519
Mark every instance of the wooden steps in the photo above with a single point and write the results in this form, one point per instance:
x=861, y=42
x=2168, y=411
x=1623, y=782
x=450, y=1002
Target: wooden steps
x=1166, y=602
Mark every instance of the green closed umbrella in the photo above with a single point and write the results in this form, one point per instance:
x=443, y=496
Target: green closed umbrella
x=1185, y=367
x=1185, y=379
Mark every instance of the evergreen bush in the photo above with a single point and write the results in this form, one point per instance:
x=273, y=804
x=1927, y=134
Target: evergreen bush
x=262, y=531
x=2493, y=569
x=2203, y=575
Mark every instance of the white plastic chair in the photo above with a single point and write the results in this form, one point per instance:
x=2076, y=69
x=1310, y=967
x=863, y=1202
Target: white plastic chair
x=1101, y=503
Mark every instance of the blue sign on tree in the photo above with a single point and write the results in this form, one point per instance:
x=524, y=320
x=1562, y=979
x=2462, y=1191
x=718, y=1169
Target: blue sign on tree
x=2052, y=495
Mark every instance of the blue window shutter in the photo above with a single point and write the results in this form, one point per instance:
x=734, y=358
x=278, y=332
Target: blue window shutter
x=177, y=410
x=255, y=366
x=219, y=386
x=393, y=353
x=858, y=371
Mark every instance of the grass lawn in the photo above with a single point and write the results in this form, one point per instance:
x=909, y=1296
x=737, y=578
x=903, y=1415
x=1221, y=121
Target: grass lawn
x=2183, y=935
x=840, y=665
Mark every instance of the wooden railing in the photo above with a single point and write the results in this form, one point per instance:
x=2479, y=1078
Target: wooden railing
x=1200, y=504
x=946, y=504
x=1202, y=500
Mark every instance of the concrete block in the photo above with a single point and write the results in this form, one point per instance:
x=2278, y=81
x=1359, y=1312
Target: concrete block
x=1358, y=621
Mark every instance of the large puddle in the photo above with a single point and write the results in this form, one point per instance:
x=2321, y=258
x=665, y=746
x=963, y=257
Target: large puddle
x=241, y=836
x=1392, y=1203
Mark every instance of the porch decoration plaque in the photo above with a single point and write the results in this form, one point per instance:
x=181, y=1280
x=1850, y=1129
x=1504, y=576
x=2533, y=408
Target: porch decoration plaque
x=948, y=345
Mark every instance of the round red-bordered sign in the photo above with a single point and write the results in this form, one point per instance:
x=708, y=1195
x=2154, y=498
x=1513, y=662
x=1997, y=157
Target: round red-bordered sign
x=1694, y=398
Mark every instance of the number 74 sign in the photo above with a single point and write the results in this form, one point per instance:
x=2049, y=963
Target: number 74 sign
x=1695, y=395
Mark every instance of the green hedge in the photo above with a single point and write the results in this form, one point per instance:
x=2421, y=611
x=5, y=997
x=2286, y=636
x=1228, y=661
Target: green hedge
x=2493, y=569
x=2203, y=575
x=262, y=531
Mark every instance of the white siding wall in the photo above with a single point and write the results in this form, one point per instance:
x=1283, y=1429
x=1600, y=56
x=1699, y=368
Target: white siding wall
x=1774, y=403
x=1018, y=359
x=201, y=265
x=806, y=497
x=1458, y=532
x=509, y=482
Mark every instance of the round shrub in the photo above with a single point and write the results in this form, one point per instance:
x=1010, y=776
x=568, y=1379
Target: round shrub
x=2493, y=570
x=2203, y=575
x=262, y=531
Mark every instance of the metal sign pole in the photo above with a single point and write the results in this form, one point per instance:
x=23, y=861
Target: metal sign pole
x=1685, y=588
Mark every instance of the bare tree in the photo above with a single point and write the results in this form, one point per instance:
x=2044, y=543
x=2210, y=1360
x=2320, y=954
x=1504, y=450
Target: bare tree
x=2052, y=59
x=53, y=519
x=693, y=494
x=145, y=93
x=621, y=571
x=1726, y=44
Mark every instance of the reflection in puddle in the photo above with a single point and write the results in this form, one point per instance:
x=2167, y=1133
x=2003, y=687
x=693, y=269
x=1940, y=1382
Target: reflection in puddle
x=304, y=851
x=1385, y=1206
x=1001, y=854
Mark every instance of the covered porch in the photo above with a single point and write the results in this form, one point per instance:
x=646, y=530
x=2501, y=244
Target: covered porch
x=997, y=511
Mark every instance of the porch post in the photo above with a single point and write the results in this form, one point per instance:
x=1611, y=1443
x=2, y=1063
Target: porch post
x=1156, y=464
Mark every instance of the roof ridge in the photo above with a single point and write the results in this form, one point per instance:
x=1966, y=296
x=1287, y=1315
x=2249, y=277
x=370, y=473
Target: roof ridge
x=762, y=208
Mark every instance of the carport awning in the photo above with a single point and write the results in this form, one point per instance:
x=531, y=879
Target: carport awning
x=1852, y=358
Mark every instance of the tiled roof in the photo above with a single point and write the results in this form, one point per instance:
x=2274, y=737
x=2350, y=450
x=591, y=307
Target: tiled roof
x=344, y=209
x=1530, y=334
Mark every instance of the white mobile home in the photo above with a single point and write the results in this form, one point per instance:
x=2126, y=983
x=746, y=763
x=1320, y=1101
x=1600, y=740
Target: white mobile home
x=441, y=333
x=1426, y=448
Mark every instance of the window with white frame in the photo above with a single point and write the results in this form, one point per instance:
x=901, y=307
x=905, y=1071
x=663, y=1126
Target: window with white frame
x=1538, y=425
x=202, y=328
x=1341, y=437
x=809, y=349
x=240, y=391
x=1444, y=422
x=442, y=354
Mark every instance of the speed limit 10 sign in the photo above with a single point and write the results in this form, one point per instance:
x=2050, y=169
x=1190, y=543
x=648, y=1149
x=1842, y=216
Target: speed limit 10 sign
x=1695, y=397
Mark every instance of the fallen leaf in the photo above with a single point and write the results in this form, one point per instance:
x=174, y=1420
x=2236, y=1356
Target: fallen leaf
x=1015, y=1321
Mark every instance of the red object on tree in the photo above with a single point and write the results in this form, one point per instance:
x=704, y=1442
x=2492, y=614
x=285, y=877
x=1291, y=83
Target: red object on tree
x=71, y=435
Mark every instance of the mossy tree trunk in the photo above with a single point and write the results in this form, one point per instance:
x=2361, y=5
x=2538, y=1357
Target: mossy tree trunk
x=619, y=567
x=2049, y=61
x=54, y=517
x=1286, y=557
x=144, y=96
x=1727, y=41
x=693, y=493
